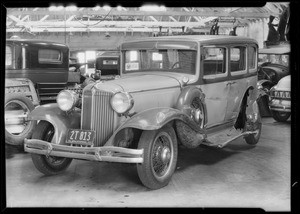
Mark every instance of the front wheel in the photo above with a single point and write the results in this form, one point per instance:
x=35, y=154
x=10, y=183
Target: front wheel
x=48, y=165
x=160, y=157
x=280, y=116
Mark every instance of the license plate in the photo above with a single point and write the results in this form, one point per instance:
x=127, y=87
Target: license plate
x=81, y=137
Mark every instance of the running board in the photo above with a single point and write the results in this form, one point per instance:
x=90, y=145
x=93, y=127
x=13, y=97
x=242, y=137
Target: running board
x=221, y=139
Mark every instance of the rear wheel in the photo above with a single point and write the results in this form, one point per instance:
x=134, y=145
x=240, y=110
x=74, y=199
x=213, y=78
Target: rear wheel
x=280, y=116
x=160, y=157
x=48, y=165
x=254, y=126
x=17, y=127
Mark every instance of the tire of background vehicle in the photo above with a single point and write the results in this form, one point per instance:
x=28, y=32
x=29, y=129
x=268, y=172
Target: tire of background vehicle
x=253, y=139
x=45, y=131
x=280, y=116
x=18, y=140
x=160, y=149
x=263, y=104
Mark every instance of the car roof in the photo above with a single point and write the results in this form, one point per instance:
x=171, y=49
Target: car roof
x=276, y=50
x=36, y=42
x=195, y=38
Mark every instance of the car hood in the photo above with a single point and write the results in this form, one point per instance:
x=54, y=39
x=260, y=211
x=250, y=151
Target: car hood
x=284, y=84
x=136, y=83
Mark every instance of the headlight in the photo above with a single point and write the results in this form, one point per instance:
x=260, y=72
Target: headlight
x=67, y=100
x=122, y=102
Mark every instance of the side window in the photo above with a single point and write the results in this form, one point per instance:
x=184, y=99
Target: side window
x=8, y=57
x=252, y=58
x=237, y=58
x=49, y=56
x=214, y=60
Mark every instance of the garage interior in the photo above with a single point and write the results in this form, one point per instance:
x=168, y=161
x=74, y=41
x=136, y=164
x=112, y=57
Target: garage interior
x=239, y=175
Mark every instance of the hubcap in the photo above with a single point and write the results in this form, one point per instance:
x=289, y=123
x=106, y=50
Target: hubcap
x=16, y=113
x=165, y=155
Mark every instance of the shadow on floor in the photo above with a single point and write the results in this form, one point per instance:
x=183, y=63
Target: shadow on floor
x=11, y=150
x=205, y=155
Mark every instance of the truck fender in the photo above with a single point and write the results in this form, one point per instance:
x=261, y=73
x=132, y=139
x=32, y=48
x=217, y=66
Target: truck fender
x=61, y=120
x=153, y=119
x=185, y=99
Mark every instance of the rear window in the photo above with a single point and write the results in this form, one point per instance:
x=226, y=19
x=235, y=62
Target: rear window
x=49, y=56
x=237, y=58
x=110, y=62
x=252, y=57
x=8, y=57
x=214, y=60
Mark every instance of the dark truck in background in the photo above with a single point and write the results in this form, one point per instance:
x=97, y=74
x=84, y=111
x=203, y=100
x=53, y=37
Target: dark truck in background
x=35, y=72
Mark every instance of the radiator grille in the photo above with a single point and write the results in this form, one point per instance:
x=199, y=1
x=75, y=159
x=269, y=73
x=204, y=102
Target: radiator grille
x=98, y=115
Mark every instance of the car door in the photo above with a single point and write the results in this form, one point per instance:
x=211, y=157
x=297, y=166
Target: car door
x=215, y=87
x=237, y=83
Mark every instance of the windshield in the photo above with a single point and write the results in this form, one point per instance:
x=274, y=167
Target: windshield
x=169, y=60
x=282, y=59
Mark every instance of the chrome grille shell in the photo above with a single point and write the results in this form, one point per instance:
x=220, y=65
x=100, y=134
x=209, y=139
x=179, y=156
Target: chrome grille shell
x=97, y=114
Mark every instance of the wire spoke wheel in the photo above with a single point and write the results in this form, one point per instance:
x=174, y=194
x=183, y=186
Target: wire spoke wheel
x=160, y=157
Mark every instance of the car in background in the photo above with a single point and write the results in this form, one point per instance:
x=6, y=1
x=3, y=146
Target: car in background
x=107, y=66
x=273, y=65
x=175, y=90
x=280, y=99
x=35, y=72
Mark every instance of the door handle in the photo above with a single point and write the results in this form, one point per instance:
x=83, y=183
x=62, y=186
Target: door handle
x=230, y=83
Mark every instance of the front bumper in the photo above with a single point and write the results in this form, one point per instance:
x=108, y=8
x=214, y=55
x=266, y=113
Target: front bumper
x=105, y=153
x=280, y=105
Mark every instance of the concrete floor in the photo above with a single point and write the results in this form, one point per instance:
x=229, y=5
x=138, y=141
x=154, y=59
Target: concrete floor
x=238, y=175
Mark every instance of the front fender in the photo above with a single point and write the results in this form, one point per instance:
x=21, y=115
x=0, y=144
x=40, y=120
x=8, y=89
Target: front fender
x=61, y=120
x=153, y=119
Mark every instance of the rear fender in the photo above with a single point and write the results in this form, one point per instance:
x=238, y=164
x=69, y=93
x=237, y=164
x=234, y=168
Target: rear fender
x=61, y=120
x=153, y=119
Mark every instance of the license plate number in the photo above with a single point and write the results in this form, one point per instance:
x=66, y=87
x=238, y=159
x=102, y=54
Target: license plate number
x=81, y=137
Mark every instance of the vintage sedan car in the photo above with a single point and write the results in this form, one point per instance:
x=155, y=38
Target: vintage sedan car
x=280, y=99
x=273, y=65
x=187, y=90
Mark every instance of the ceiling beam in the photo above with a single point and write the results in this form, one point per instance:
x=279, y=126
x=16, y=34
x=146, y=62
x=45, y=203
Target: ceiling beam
x=114, y=12
x=108, y=23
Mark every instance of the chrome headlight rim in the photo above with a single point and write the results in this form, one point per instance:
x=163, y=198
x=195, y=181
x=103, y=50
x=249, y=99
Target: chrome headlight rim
x=129, y=99
x=73, y=100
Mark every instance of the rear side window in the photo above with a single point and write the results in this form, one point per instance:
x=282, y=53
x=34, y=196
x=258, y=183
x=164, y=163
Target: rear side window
x=8, y=57
x=214, y=60
x=252, y=58
x=49, y=56
x=237, y=58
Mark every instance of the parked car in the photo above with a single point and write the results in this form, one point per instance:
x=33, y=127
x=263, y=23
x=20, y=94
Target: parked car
x=280, y=99
x=35, y=72
x=273, y=65
x=188, y=90
x=107, y=67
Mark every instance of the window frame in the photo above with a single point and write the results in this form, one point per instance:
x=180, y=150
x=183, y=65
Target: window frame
x=213, y=76
x=252, y=70
x=238, y=72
